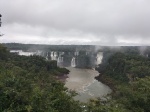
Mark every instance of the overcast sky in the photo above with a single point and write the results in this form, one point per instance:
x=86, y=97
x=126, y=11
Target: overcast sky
x=98, y=22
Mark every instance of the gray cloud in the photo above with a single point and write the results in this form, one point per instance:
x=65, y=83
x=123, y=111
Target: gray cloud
x=102, y=22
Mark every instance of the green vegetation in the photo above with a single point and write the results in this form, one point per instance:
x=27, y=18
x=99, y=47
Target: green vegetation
x=129, y=76
x=28, y=84
x=124, y=67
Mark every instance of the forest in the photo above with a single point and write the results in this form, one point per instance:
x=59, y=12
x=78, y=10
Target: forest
x=128, y=74
x=29, y=84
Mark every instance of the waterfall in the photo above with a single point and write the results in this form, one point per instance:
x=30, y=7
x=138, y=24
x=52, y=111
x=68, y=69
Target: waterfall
x=76, y=53
x=55, y=55
x=47, y=56
x=73, y=62
x=60, y=59
x=52, y=58
x=99, y=58
x=20, y=52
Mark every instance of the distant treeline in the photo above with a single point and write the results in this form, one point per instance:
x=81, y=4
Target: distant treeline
x=34, y=47
x=91, y=48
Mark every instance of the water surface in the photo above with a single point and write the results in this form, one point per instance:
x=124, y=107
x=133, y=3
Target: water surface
x=84, y=83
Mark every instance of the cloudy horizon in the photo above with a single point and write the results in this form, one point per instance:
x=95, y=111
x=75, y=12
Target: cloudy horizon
x=67, y=22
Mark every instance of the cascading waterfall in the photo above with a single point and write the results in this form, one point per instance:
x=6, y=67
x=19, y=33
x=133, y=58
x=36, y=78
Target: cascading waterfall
x=73, y=62
x=53, y=55
x=59, y=59
x=99, y=58
x=52, y=58
x=73, y=59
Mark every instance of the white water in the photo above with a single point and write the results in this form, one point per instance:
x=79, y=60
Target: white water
x=20, y=52
x=73, y=62
x=53, y=55
x=76, y=53
x=47, y=56
x=99, y=58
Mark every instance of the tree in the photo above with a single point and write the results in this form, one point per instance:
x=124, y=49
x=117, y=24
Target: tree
x=0, y=24
x=0, y=20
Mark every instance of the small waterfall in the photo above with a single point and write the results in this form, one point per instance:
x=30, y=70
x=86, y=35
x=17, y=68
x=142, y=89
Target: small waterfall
x=52, y=58
x=73, y=62
x=76, y=53
x=99, y=58
x=20, y=52
x=55, y=55
x=60, y=59
x=47, y=56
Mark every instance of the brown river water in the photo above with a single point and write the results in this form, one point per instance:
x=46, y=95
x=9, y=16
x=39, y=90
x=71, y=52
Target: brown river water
x=84, y=83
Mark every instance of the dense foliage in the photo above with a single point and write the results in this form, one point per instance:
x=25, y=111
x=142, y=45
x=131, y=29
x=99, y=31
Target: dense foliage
x=130, y=76
x=124, y=67
x=28, y=84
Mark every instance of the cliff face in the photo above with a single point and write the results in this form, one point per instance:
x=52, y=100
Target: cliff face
x=84, y=61
x=79, y=61
x=75, y=59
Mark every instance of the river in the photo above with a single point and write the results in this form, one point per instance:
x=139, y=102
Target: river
x=81, y=80
x=84, y=83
